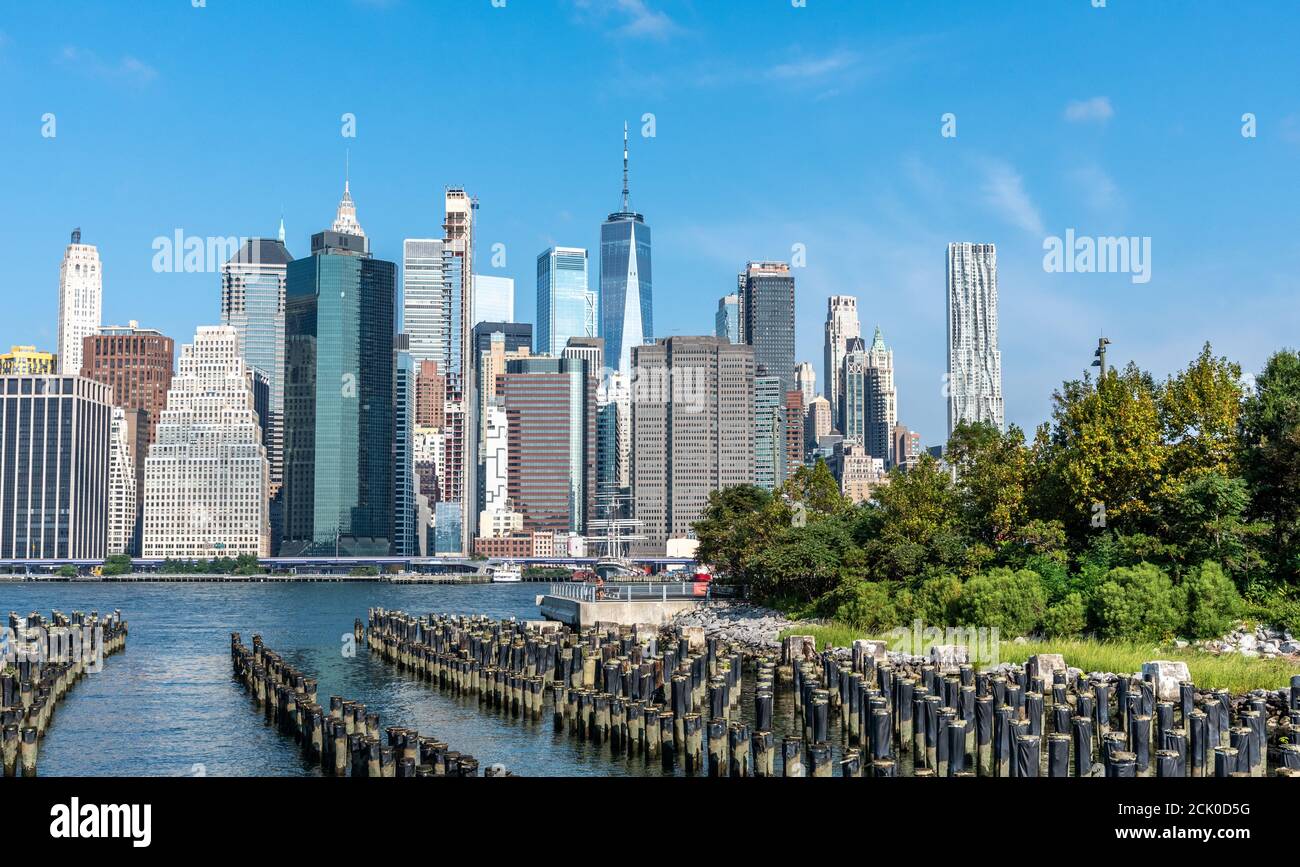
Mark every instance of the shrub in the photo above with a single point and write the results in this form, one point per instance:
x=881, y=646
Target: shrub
x=1066, y=618
x=1051, y=570
x=866, y=605
x=67, y=571
x=1139, y=602
x=938, y=600
x=117, y=564
x=1213, y=604
x=1012, y=602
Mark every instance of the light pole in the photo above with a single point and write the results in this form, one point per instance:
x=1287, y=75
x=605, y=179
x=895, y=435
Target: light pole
x=1099, y=356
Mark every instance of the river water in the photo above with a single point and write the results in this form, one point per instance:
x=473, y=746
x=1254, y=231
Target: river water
x=169, y=706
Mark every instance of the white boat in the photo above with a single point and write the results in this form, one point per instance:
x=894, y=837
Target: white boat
x=507, y=573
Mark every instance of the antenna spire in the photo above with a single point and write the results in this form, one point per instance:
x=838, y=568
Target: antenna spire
x=626, y=206
x=347, y=168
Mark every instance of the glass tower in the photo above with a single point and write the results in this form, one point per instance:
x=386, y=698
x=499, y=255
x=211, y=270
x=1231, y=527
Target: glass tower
x=339, y=413
x=565, y=307
x=626, y=298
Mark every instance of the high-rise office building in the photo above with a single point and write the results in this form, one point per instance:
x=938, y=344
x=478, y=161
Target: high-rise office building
x=550, y=406
x=817, y=421
x=494, y=299
x=54, y=467
x=338, y=432
x=589, y=349
x=841, y=327
x=405, y=507
x=692, y=431
x=27, y=361
x=881, y=401
x=430, y=395
x=207, y=474
x=122, y=490
x=907, y=446
x=626, y=293
x=853, y=399
x=769, y=432
x=766, y=292
x=974, y=361
x=565, y=307
x=136, y=363
x=81, y=298
x=427, y=301
x=794, y=413
x=252, y=302
x=805, y=381
x=726, y=322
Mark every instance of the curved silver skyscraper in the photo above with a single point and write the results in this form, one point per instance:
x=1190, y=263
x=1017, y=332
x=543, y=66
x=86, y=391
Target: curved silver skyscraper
x=974, y=361
x=626, y=299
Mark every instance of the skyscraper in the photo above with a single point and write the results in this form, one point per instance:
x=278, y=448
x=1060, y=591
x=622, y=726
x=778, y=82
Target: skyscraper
x=81, y=295
x=122, y=490
x=550, y=406
x=805, y=381
x=252, y=302
x=338, y=442
x=427, y=301
x=841, y=326
x=462, y=389
x=853, y=399
x=405, y=509
x=974, y=361
x=136, y=363
x=565, y=307
x=881, y=405
x=54, y=456
x=626, y=295
x=207, y=474
x=766, y=292
x=817, y=421
x=726, y=322
x=689, y=437
x=494, y=299
x=769, y=432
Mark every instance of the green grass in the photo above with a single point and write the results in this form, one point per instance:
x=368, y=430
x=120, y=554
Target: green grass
x=1231, y=671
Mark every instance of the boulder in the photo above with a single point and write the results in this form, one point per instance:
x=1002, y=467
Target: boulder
x=870, y=648
x=1045, y=665
x=1165, y=677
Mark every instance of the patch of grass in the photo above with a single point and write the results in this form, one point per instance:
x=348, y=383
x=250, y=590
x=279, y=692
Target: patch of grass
x=1231, y=671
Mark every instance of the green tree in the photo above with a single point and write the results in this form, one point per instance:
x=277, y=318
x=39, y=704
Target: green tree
x=117, y=564
x=1105, y=447
x=1213, y=604
x=815, y=487
x=913, y=528
x=1200, y=411
x=992, y=470
x=1206, y=520
x=1270, y=434
x=733, y=527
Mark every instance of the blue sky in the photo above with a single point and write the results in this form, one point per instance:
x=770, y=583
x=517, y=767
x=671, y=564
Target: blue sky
x=774, y=126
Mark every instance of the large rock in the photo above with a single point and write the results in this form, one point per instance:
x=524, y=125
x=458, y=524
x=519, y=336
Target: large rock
x=1165, y=677
x=1045, y=665
x=948, y=656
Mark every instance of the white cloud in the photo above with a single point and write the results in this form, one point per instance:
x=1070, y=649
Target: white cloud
x=814, y=67
x=129, y=69
x=1004, y=192
x=639, y=19
x=1095, y=110
x=1096, y=187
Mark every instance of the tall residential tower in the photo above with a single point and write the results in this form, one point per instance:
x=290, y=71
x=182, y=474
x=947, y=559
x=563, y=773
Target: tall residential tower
x=974, y=361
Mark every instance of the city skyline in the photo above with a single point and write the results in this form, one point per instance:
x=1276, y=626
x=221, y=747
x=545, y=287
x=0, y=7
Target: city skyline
x=1079, y=151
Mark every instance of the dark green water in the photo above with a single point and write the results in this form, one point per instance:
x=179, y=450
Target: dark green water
x=168, y=705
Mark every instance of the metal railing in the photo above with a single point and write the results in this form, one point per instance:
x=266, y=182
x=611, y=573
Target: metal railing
x=584, y=591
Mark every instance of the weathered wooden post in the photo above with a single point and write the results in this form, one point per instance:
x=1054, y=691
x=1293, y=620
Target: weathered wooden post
x=792, y=757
